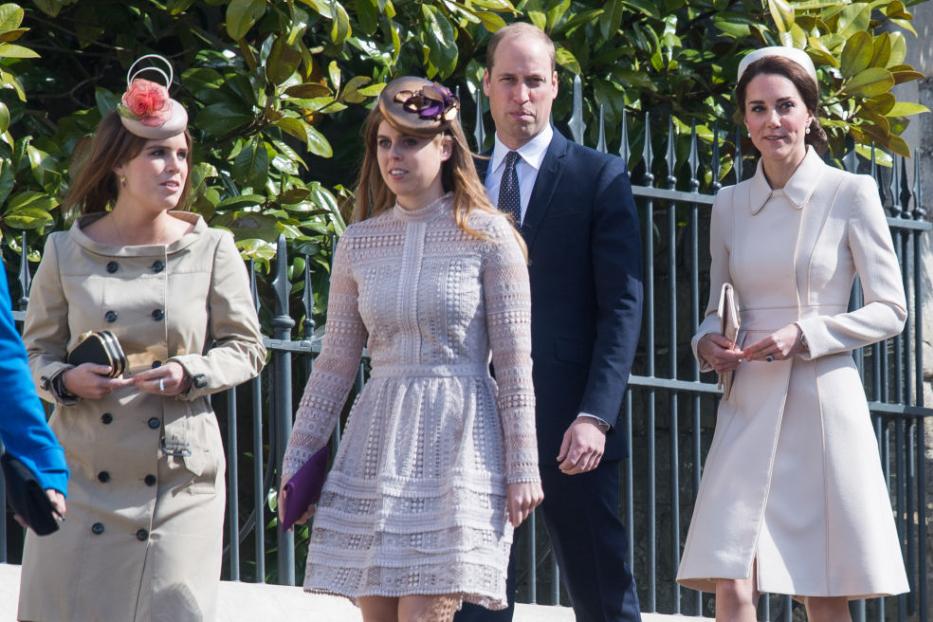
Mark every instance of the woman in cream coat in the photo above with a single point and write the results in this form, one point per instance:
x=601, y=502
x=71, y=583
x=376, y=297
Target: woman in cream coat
x=145, y=523
x=793, y=500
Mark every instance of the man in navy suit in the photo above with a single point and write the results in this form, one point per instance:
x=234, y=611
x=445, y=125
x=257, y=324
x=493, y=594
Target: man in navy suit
x=575, y=209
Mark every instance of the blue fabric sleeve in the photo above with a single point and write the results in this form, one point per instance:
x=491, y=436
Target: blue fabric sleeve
x=23, y=427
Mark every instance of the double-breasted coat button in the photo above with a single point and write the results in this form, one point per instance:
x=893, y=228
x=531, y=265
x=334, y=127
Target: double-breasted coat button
x=142, y=535
x=158, y=266
x=154, y=423
x=158, y=314
x=150, y=480
x=103, y=477
x=97, y=529
x=200, y=381
x=156, y=364
x=106, y=418
x=112, y=266
x=111, y=316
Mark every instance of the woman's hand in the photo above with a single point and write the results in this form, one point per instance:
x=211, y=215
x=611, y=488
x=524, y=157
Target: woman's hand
x=779, y=345
x=169, y=379
x=304, y=518
x=58, y=506
x=91, y=382
x=523, y=498
x=719, y=352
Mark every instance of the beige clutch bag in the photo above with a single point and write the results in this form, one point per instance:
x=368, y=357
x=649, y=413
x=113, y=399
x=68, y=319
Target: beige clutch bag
x=729, y=327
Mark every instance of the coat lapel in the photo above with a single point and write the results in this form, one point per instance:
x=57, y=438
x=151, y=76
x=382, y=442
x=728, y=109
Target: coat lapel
x=548, y=177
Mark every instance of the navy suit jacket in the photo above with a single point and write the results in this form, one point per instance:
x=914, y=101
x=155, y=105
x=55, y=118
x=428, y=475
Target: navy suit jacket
x=23, y=428
x=585, y=267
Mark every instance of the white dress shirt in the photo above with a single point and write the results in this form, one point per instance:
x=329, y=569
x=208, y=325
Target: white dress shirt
x=531, y=156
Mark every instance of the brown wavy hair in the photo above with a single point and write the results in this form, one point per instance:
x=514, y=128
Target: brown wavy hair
x=95, y=186
x=458, y=175
x=808, y=89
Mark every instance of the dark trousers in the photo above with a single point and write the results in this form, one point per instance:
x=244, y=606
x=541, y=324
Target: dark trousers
x=581, y=513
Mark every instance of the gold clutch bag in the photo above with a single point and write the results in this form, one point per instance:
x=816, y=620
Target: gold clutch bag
x=729, y=328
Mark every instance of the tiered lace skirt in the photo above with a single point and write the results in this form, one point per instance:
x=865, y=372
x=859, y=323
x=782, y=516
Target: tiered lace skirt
x=415, y=502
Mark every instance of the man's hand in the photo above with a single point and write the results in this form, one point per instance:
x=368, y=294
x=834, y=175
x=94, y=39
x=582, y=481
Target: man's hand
x=582, y=447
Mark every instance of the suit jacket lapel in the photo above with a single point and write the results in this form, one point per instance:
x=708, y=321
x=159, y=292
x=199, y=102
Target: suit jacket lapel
x=545, y=185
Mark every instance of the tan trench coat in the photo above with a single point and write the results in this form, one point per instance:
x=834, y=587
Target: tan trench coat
x=793, y=477
x=142, y=540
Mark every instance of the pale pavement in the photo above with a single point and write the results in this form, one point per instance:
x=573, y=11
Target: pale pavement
x=250, y=602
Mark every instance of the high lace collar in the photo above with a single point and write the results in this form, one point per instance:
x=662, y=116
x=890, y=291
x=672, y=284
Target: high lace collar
x=426, y=212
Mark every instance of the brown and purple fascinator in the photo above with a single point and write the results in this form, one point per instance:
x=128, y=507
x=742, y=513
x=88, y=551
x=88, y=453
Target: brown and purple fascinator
x=146, y=109
x=418, y=105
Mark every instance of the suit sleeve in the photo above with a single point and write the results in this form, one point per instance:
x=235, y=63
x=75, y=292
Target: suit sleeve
x=616, y=257
x=23, y=428
x=334, y=368
x=237, y=352
x=720, y=234
x=885, y=309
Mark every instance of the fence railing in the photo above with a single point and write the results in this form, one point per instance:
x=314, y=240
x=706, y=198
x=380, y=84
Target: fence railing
x=668, y=412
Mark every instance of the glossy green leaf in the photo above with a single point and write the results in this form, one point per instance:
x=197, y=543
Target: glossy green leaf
x=870, y=82
x=906, y=109
x=4, y=117
x=106, y=100
x=11, y=16
x=491, y=21
x=11, y=50
x=242, y=15
x=283, y=61
x=318, y=144
x=340, y=28
x=252, y=165
x=782, y=13
x=28, y=218
x=438, y=35
x=221, y=119
x=351, y=92
x=857, y=54
x=31, y=199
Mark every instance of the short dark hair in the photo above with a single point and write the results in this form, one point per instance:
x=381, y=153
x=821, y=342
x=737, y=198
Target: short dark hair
x=519, y=29
x=808, y=89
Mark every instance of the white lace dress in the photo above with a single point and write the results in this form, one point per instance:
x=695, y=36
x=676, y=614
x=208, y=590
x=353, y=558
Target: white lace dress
x=415, y=501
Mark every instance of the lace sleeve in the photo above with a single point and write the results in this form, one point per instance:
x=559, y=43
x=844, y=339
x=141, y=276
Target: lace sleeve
x=508, y=318
x=334, y=369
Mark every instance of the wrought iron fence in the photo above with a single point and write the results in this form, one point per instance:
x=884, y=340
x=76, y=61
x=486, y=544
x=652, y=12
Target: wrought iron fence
x=669, y=409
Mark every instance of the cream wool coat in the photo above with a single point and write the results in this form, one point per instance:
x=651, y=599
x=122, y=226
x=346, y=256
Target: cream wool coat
x=142, y=540
x=793, y=477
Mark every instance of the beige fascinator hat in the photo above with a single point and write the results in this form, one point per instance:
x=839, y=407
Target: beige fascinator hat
x=146, y=109
x=793, y=54
x=418, y=105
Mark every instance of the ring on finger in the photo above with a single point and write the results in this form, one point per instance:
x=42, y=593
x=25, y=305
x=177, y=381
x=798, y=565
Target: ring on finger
x=162, y=384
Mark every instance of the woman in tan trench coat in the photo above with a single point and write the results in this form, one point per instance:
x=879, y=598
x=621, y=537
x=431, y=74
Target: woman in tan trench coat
x=145, y=524
x=793, y=500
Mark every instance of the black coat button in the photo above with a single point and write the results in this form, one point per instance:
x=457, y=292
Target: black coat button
x=158, y=314
x=97, y=529
x=154, y=423
x=200, y=381
x=103, y=477
x=106, y=418
x=158, y=266
x=112, y=266
x=156, y=364
x=142, y=535
x=111, y=316
x=150, y=480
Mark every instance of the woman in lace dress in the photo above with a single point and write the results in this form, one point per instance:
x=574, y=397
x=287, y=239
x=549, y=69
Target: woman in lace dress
x=438, y=461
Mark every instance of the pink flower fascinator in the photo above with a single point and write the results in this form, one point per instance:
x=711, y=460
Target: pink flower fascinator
x=146, y=109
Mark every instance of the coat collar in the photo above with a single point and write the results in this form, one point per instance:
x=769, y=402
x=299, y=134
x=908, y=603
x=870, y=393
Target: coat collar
x=798, y=189
x=152, y=250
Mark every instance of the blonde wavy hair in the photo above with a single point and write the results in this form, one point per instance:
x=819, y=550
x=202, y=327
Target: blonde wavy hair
x=458, y=175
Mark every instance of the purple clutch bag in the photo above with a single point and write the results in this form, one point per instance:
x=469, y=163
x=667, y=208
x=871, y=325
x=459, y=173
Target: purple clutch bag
x=304, y=488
